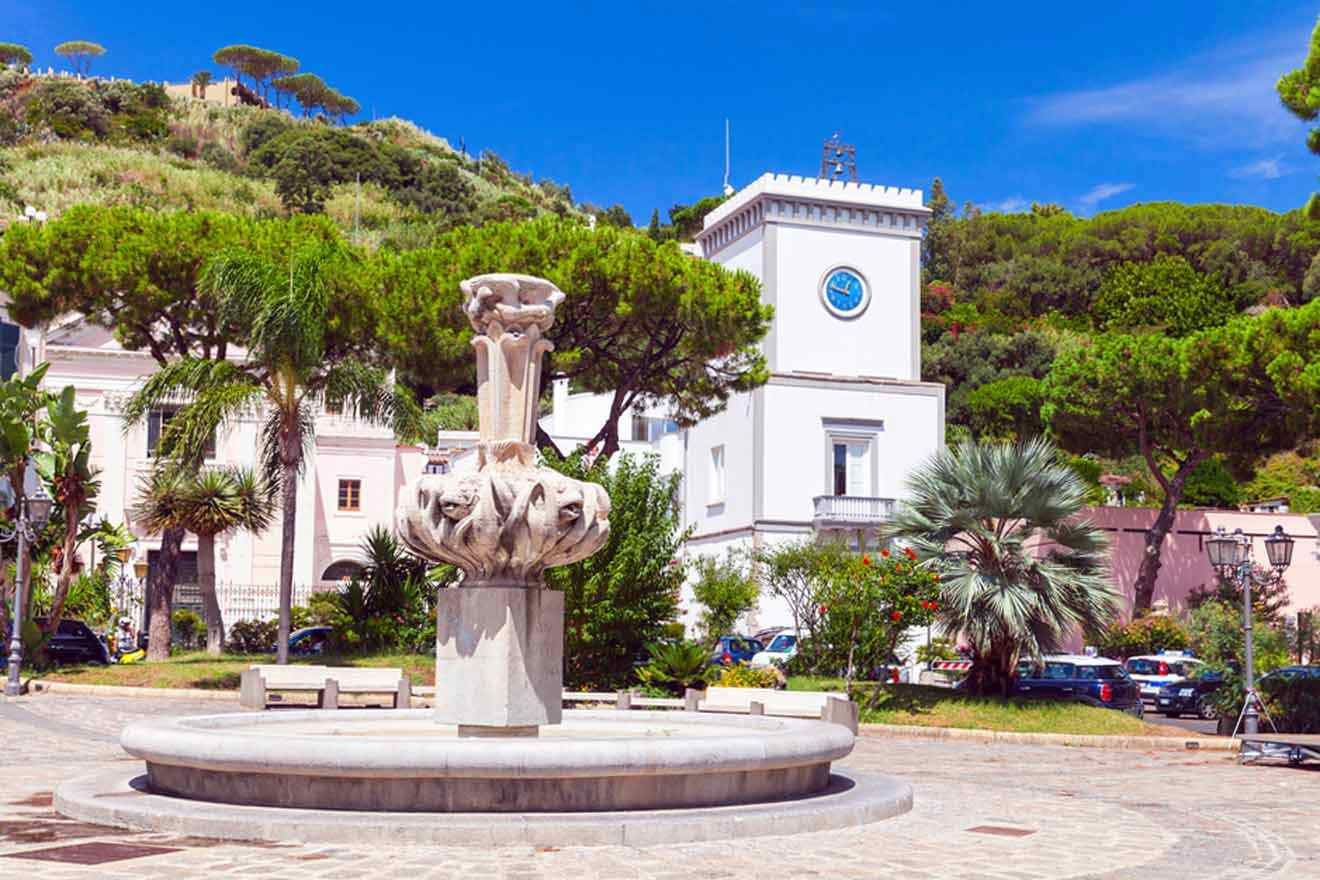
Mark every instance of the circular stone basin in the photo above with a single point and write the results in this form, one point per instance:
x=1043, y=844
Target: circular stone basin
x=402, y=761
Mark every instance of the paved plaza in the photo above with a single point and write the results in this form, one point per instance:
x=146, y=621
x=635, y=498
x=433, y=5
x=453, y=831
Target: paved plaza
x=982, y=811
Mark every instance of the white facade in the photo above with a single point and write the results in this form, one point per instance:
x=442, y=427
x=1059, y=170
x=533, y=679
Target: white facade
x=825, y=447
x=330, y=528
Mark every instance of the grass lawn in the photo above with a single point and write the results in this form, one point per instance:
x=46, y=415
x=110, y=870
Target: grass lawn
x=943, y=707
x=198, y=669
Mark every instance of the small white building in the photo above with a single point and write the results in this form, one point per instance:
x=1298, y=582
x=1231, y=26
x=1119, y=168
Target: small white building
x=825, y=447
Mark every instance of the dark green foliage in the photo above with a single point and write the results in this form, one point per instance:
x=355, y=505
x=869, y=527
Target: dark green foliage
x=96, y=110
x=183, y=145
x=1269, y=595
x=1293, y=704
x=1210, y=484
x=251, y=637
x=438, y=188
x=261, y=131
x=1007, y=408
x=218, y=157
x=624, y=596
x=1166, y=294
x=189, y=630
x=967, y=361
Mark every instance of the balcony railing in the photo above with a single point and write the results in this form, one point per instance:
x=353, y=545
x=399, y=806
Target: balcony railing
x=851, y=511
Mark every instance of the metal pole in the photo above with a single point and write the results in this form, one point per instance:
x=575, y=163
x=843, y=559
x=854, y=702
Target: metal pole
x=1250, y=718
x=12, y=683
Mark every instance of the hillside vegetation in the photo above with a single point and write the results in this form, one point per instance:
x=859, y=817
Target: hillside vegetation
x=1005, y=294
x=65, y=142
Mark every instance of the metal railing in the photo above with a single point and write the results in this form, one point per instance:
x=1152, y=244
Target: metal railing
x=851, y=510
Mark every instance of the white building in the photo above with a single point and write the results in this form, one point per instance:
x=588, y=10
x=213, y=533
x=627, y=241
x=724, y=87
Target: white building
x=825, y=447
x=353, y=475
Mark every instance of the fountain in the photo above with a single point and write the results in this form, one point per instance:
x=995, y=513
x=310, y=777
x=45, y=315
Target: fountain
x=497, y=760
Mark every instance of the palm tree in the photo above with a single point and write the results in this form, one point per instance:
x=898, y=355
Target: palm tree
x=200, y=80
x=162, y=494
x=1020, y=572
x=215, y=501
x=296, y=359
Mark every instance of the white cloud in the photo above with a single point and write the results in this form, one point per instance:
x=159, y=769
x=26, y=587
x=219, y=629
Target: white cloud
x=1010, y=205
x=1223, y=96
x=1101, y=191
x=1262, y=169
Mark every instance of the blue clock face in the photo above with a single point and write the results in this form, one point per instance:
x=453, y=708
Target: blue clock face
x=844, y=292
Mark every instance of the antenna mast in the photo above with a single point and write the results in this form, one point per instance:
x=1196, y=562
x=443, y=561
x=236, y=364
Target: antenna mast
x=728, y=189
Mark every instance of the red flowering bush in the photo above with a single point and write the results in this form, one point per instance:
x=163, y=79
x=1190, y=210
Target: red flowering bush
x=872, y=603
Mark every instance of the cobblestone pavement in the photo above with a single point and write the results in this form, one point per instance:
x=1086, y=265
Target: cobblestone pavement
x=1091, y=813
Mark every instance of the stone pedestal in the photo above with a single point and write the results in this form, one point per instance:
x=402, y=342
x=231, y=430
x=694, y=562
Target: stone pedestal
x=499, y=659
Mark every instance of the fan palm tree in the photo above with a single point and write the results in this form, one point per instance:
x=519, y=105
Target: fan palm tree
x=215, y=501
x=1019, y=571
x=162, y=494
x=297, y=357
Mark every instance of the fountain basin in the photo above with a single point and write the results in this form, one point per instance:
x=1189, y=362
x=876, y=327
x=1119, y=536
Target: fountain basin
x=402, y=761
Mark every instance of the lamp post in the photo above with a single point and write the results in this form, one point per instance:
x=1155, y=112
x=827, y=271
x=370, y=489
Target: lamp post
x=34, y=513
x=1231, y=557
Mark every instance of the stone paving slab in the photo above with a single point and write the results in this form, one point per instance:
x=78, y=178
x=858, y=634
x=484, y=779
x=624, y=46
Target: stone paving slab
x=1094, y=814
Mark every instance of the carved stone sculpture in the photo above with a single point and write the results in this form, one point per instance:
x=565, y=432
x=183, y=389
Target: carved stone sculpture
x=499, y=639
x=508, y=522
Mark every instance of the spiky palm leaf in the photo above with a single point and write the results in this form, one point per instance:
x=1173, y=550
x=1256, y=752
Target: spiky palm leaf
x=1020, y=573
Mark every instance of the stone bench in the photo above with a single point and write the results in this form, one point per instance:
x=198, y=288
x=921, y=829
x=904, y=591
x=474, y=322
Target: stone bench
x=327, y=682
x=767, y=701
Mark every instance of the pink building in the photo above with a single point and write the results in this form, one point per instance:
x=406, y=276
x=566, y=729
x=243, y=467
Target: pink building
x=1185, y=564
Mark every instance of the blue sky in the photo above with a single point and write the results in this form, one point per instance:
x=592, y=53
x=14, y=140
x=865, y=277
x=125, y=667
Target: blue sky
x=1090, y=106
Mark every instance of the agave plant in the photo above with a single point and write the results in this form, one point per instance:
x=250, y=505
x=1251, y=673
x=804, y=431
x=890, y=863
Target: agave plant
x=1020, y=571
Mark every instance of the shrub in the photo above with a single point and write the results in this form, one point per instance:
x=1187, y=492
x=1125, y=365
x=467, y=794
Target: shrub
x=1146, y=635
x=744, y=676
x=1293, y=705
x=625, y=595
x=70, y=109
x=189, y=630
x=262, y=130
x=252, y=637
x=218, y=157
x=677, y=666
x=183, y=145
x=726, y=592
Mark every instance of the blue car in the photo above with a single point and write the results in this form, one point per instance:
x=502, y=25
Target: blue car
x=732, y=650
x=1096, y=681
x=309, y=640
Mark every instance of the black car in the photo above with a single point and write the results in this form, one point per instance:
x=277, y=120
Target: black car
x=1091, y=680
x=74, y=642
x=1188, y=696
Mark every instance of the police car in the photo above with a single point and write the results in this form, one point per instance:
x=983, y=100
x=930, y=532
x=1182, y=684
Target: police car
x=1154, y=671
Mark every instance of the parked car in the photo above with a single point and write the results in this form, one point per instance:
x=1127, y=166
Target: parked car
x=1096, y=681
x=1288, y=673
x=782, y=648
x=74, y=642
x=309, y=640
x=1154, y=671
x=1187, y=696
x=730, y=650
x=767, y=635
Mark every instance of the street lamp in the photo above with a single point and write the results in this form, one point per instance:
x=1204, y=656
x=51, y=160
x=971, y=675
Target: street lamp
x=33, y=515
x=1230, y=555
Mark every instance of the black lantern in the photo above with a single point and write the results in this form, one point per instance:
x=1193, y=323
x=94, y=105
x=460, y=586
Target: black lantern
x=39, y=506
x=1279, y=548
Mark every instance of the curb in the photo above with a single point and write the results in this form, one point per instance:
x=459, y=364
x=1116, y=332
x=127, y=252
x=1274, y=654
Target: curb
x=1078, y=740
x=115, y=690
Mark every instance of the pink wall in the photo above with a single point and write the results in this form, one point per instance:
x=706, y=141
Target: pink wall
x=1185, y=565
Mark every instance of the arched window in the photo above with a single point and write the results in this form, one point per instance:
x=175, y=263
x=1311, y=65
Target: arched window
x=342, y=570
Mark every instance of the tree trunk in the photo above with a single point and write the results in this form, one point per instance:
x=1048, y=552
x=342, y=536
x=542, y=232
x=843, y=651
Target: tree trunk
x=67, y=564
x=161, y=595
x=1149, y=572
x=215, y=625
x=289, y=511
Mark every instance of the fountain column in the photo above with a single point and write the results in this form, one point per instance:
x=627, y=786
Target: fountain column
x=500, y=635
